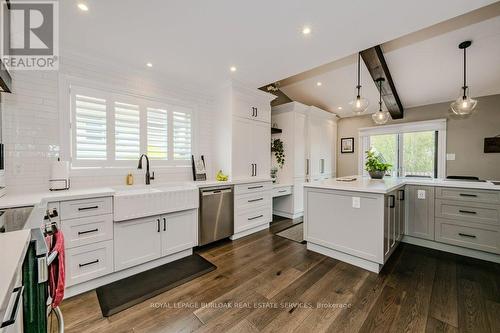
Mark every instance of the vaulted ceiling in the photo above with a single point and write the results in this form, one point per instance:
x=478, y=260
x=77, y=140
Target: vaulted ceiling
x=426, y=66
x=198, y=40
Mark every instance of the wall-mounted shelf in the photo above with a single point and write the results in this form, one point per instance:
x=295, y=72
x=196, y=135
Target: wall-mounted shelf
x=275, y=130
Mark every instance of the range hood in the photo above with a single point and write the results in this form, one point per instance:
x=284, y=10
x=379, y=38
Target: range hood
x=5, y=79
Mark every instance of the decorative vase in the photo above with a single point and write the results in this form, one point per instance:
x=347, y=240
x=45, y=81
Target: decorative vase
x=377, y=174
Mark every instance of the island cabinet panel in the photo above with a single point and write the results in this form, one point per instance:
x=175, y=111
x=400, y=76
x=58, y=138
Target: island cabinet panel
x=335, y=221
x=393, y=217
x=420, y=211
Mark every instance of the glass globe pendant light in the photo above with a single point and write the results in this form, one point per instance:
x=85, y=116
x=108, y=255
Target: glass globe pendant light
x=359, y=104
x=464, y=105
x=380, y=117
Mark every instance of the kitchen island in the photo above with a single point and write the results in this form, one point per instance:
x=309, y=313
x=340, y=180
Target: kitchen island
x=361, y=222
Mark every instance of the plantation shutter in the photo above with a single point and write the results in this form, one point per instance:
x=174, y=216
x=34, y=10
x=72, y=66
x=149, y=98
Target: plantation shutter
x=127, y=131
x=157, y=127
x=90, y=128
x=182, y=135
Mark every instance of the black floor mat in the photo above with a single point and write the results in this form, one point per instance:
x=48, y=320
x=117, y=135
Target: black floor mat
x=122, y=294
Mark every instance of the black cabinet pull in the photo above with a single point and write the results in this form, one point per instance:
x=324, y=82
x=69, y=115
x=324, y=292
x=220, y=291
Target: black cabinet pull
x=282, y=191
x=467, y=212
x=392, y=201
x=255, y=217
x=157, y=225
x=87, y=208
x=467, y=235
x=255, y=169
x=89, y=263
x=401, y=195
x=468, y=195
x=164, y=224
x=254, y=200
x=256, y=112
x=87, y=231
x=255, y=187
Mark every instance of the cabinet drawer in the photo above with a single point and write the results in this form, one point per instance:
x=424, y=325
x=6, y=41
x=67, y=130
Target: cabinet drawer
x=279, y=191
x=86, y=207
x=252, y=188
x=252, y=218
x=460, y=234
x=88, y=262
x=252, y=200
x=468, y=195
x=87, y=230
x=470, y=212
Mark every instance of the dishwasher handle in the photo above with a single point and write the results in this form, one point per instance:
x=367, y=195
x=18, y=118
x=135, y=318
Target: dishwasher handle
x=217, y=191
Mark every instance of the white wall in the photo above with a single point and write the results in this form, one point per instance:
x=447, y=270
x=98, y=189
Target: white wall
x=34, y=126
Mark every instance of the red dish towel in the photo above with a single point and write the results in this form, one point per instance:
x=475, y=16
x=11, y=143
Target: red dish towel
x=56, y=269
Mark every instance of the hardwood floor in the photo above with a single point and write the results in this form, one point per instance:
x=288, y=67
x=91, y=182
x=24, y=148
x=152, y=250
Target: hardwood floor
x=268, y=283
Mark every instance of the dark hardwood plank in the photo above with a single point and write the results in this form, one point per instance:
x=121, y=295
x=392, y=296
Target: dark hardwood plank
x=493, y=310
x=472, y=316
x=444, y=304
x=437, y=326
x=384, y=311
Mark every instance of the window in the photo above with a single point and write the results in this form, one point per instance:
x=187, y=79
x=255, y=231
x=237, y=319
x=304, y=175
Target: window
x=127, y=131
x=157, y=134
x=110, y=129
x=90, y=128
x=182, y=135
x=413, y=149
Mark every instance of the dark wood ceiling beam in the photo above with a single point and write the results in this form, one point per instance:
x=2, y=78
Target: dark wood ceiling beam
x=375, y=62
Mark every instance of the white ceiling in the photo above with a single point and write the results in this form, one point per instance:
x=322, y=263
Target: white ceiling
x=198, y=40
x=425, y=66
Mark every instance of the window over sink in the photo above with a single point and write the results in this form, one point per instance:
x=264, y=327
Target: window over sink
x=416, y=149
x=109, y=129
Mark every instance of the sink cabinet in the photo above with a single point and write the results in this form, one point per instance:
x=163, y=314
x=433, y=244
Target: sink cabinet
x=141, y=240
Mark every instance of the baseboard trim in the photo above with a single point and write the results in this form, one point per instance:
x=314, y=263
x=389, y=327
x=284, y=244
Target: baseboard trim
x=249, y=231
x=103, y=280
x=353, y=260
x=452, y=249
x=287, y=215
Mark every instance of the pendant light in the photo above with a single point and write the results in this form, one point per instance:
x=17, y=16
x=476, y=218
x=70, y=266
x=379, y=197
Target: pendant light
x=464, y=105
x=380, y=117
x=359, y=104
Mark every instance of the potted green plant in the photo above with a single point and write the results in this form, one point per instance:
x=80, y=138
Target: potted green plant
x=279, y=151
x=375, y=164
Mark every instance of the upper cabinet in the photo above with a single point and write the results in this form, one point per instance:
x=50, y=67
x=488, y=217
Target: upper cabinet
x=251, y=107
x=243, y=134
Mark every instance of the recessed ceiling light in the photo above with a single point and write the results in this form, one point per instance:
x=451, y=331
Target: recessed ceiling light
x=339, y=108
x=306, y=30
x=83, y=7
x=232, y=69
x=319, y=84
x=149, y=64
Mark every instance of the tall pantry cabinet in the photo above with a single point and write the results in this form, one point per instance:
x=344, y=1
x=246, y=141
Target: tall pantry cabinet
x=309, y=136
x=243, y=132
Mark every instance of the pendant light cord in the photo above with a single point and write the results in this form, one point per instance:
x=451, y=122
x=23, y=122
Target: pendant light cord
x=380, y=95
x=465, y=73
x=359, y=86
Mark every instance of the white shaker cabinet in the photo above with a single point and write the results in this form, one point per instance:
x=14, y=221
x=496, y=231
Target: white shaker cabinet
x=145, y=239
x=137, y=241
x=243, y=135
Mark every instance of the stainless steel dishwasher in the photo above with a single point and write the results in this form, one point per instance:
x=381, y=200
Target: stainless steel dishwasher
x=216, y=214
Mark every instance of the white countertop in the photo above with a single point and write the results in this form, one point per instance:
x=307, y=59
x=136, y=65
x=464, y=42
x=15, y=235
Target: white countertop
x=388, y=184
x=236, y=181
x=13, y=247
